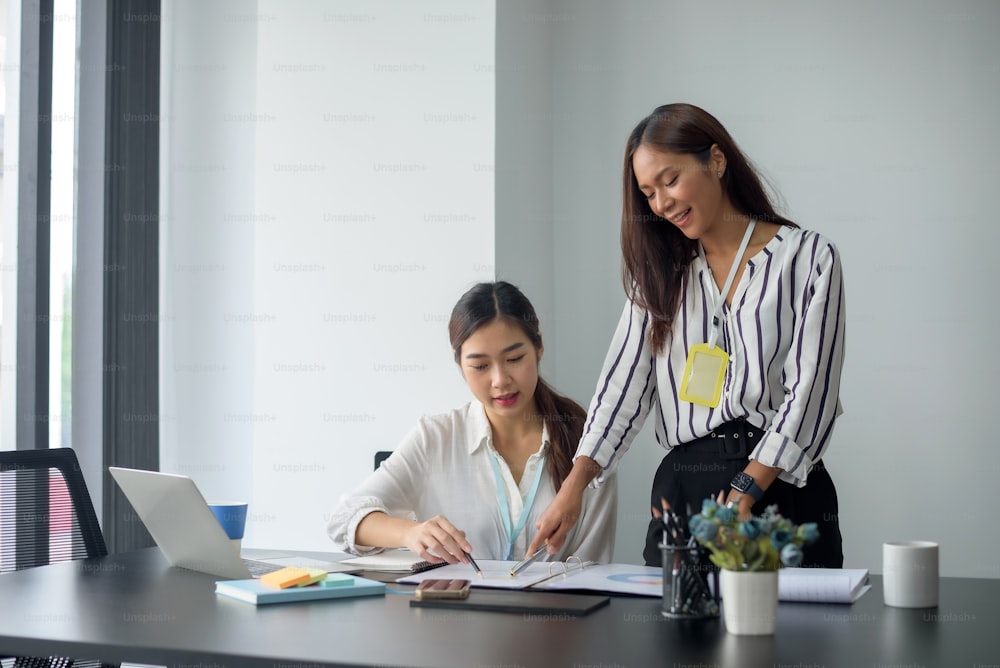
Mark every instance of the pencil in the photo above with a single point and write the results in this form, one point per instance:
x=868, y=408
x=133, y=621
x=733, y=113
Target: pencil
x=520, y=566
x=472, y=562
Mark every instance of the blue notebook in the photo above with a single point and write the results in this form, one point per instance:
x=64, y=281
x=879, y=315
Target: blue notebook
x=337, y=585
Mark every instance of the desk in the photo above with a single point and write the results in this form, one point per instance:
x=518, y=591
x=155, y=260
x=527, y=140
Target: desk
x=133, y=607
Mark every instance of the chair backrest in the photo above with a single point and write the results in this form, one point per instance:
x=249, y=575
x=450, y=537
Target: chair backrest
x=46, y=513
x=381, y=456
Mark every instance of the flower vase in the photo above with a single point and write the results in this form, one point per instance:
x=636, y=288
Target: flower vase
x=750, y=601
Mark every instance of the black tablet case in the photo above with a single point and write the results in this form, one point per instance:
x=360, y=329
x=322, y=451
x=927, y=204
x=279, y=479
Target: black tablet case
x=537, y=603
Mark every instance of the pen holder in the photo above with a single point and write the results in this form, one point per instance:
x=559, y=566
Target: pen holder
x=686, y=594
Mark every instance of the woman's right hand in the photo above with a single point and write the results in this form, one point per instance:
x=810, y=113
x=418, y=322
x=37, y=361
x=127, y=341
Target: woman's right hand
x=437, y=540
x=556, y=521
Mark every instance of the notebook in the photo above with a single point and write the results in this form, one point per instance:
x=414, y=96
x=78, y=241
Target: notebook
x=337, y=585
x=180, y=521
x=391, y=561
x=822, y=585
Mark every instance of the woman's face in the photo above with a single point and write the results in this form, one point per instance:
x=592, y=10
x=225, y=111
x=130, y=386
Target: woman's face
x=500, y=364
x=679, y=188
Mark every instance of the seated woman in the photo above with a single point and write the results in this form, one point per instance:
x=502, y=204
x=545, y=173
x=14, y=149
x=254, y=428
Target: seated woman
x=474, y=480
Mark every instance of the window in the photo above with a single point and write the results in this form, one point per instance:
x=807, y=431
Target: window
x=64, y=67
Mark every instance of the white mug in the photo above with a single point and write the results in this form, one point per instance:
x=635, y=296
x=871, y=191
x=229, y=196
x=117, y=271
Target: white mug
x=910, y=573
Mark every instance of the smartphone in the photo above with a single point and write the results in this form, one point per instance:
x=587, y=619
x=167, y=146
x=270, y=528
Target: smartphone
x=442, y=588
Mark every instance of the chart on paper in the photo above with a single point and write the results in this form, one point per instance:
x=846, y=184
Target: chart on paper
x=614, y=578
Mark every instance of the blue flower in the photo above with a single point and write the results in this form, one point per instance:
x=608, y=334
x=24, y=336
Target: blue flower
x=750, y=528
x=791, y=555
x=780, y=538
x=708, y=507
x=725, y=514
x=809, y=532
x=705, y=531
x=763, y=543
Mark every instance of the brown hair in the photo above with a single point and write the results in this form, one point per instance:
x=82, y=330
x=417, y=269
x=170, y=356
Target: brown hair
x=487, y=302
x=655, y=254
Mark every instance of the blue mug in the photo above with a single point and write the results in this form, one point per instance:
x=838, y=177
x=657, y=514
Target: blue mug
x=232, y=517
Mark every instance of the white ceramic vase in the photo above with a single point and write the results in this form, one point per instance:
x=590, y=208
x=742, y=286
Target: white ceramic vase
x=750, y=601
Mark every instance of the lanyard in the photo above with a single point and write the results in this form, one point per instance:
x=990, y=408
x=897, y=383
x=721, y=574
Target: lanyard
x=513, y=533
x=714, y=336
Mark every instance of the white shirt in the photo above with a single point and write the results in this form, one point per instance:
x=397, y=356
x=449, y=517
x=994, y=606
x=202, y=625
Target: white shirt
x=443, y=467
x=785, y=336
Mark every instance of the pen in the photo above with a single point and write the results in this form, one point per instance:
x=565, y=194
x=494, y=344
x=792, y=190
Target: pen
x=472, y=562
x=527, y=561
x=676, y=580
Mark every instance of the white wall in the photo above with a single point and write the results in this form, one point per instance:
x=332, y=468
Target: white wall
x=208, y=77
x=873, y=124
x=878, y=127
x=523, y=168
x=325, y=204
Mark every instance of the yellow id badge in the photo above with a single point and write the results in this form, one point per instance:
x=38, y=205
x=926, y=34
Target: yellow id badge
x=704, y=374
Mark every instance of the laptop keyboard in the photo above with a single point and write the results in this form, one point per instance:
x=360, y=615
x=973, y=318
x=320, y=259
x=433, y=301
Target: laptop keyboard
x=258, y=568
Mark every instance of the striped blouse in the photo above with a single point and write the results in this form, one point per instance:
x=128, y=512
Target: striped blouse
x=785, y=336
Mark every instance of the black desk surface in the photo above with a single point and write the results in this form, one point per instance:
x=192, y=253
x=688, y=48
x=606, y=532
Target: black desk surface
x=133, y=607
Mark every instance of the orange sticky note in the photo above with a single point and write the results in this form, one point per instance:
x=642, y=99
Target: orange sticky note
x=288, y=576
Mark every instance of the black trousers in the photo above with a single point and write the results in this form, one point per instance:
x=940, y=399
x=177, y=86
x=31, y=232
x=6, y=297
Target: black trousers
x=691, y=473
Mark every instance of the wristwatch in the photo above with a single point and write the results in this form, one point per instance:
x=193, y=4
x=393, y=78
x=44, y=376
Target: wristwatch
x=745, y=484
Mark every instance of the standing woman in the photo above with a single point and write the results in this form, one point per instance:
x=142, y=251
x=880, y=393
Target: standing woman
x=475, y=479
x=732, y=340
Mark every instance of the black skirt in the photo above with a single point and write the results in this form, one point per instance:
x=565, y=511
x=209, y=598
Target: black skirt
x=698, y=470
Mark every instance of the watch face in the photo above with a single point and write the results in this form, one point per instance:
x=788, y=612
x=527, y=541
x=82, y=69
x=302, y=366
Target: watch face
x=741, y=482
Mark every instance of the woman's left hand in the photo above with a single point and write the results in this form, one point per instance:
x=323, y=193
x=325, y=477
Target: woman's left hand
x=742, y=502
x=763, y=475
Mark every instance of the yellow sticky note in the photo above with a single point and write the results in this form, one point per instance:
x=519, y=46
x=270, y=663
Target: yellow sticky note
x=288, y=576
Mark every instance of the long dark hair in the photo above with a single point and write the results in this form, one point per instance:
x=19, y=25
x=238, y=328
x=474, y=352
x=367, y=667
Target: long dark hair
x=486, y=302
x=656, y=255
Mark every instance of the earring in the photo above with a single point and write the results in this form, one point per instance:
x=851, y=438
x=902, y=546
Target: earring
x=720, y=175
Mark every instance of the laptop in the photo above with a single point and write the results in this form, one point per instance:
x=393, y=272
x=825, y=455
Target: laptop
x=180, y=521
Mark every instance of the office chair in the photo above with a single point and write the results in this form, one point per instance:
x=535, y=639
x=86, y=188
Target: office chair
x=46, y=517
x=381, y=456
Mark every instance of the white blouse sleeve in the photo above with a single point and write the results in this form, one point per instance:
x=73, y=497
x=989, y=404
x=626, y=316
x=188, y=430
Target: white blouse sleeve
x=392, y=489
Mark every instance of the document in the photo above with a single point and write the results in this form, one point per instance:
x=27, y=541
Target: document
x=555, y=575
x=812, y=585
x=614, y=579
